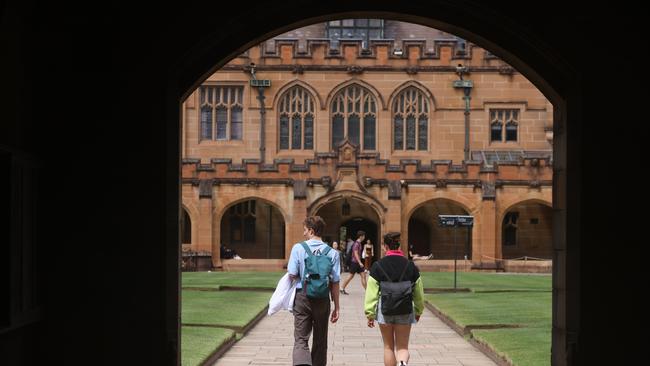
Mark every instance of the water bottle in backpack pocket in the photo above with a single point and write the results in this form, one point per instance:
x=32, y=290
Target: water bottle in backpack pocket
x=396, y=296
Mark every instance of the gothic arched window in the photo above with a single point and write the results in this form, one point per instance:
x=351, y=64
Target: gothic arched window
x=242, y=222
x=221, y=112
x=410, y=120
x=186, y=228
x=354, y=115
x=500, y=118
x=296, y=120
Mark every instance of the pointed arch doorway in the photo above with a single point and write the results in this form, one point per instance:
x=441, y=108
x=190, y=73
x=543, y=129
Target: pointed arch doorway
x=345, y=215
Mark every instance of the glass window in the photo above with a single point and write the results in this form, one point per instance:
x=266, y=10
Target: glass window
x=337, y=131
x=369, y=132
x=511, y=132
x=221, y=110
x=284, y=132
x=364, y=29
x=360, y=106
x=500, y=118
x=423, y=123
x=353, y=129
x=298, y=103
x=222, y=123
x=186, y=228
x=309, y=132
x=410, y=133
x=496, y=132
x=296, y=134
x=206, y=123
x=410, y=120
x=236, y=131
x=398, y=133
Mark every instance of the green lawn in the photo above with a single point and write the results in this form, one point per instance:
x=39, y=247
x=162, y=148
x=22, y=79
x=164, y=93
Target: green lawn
x=234, y=279
x=525, y=301
x=231, y=308
x=487, y=281
x=197, y=343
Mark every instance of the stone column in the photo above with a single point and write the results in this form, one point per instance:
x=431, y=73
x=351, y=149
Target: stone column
x=294, y=225
x=484, y=235
x=204, y=240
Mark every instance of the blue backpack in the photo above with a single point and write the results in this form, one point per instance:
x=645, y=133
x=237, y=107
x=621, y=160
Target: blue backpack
x=316, y=279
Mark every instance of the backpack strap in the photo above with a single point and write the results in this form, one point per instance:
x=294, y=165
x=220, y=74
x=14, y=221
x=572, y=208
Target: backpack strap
x=306, y=247
x=382, y=269
x=404, y=271
x=309, y=253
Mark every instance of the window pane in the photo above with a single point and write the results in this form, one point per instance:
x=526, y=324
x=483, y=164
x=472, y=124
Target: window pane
x=335, y=23
x=296, y=133
x=362, y=22
x=206, y=123
x=337, y=131
x=348, y=22
x=353, y=129
x=398, y=144
x=369, y=133
x=309, y=132
x=496, y=132
x=284, y=132
x=422, y=133
x=410, y=133
x=374, y=34
x=375, y=22
x=236, y=125
x=202, y=95
x=186, y=228
x=222, y=123
x=510, y=236
x=511, y=132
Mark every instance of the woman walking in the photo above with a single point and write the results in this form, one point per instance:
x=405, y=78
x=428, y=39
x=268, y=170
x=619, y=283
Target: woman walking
x=395, y=329
x=368, y=254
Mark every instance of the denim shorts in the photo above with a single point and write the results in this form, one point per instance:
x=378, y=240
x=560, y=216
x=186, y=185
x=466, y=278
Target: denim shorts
x=394, y=319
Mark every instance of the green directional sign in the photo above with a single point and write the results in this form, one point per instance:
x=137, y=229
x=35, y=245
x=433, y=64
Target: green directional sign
x=463, y=84
x=261, y=82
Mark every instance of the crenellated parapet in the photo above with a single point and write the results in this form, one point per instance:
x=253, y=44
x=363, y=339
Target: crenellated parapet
x=531, y=171
x=411, y=55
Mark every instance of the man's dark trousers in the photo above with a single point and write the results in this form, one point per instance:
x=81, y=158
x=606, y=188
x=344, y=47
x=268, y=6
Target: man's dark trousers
x=310, y=314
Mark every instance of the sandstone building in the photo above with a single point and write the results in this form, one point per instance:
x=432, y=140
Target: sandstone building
x=363, y=122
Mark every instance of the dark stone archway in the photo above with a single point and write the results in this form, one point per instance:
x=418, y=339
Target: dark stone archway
x=143, y=60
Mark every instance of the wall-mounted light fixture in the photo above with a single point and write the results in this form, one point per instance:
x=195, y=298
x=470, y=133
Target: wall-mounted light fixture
x=398, y=52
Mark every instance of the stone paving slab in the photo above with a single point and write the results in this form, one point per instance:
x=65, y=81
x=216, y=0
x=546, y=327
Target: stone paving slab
x=351, y=342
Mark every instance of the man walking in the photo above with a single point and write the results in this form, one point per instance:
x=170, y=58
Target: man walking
x=356, y=266
x=311, y=313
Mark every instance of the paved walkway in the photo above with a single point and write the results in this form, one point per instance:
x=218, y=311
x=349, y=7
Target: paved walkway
x=351, y=342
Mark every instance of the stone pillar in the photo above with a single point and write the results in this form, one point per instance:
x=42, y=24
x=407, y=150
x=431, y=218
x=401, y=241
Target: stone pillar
x=484, y=235
x=294, y=225
x=204, y=240
x=391, y=220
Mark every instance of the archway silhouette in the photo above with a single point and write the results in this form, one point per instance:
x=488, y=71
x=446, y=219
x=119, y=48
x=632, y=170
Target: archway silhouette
x=526, y=54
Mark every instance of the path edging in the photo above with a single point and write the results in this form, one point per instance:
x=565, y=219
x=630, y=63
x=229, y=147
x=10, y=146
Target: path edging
x=485, y=348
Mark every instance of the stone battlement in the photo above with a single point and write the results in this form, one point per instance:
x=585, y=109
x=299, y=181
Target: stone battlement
x=379, y=53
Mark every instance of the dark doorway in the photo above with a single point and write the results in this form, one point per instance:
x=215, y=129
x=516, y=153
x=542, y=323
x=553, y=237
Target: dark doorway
x=419, y=237
x=370, y=227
